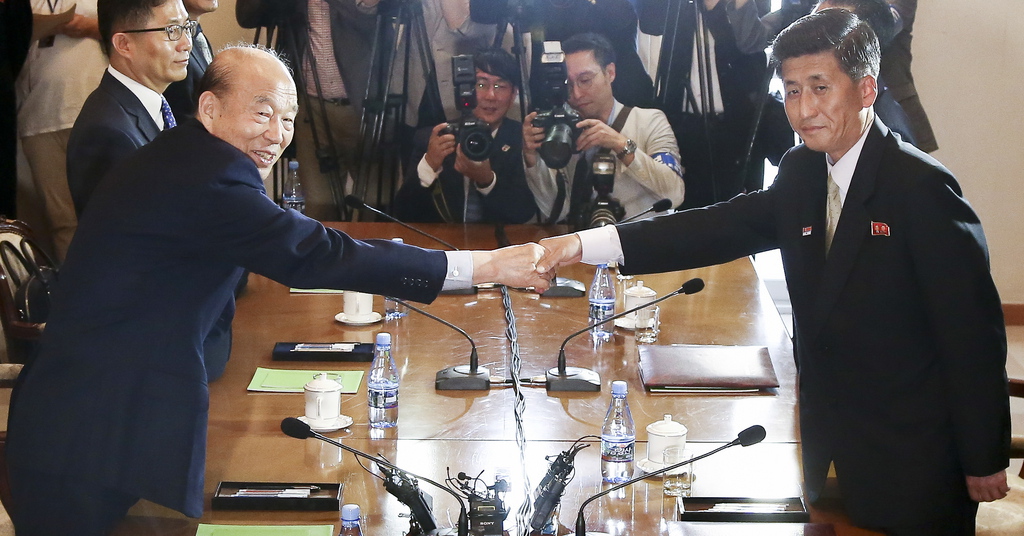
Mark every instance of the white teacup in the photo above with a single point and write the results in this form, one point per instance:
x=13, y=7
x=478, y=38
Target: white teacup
x=323, y=401
x=358, y=305
x=662, y=435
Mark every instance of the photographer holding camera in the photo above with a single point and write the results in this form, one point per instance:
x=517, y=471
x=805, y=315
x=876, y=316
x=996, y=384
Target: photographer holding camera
x=470, y=170
x=645, y=152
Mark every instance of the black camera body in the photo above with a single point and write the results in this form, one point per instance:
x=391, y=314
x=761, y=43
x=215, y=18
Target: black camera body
x=559, y=122
x=603, y=209
x=472, y=134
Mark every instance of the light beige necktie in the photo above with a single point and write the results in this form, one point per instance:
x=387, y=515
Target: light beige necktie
x=833, y=209
x=204, y=47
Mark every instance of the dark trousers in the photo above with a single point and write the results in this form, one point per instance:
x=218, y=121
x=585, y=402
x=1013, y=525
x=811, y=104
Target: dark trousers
x=959, y=522
x=46, y=505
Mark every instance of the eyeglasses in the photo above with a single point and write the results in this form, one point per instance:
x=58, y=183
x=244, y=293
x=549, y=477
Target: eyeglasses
x=174, y=31
x=482, y=87
x=583, y=82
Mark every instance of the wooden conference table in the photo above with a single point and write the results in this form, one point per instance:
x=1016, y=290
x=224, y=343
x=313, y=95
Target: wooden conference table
x=473, y=431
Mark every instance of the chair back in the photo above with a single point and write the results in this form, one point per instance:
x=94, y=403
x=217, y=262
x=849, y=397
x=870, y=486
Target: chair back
x=20, y=333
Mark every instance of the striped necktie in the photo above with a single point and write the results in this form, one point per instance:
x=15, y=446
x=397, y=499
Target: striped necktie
x=165, y=112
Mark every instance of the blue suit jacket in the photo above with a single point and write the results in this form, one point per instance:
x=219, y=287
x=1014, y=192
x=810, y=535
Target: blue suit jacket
x=900, y=341
x=112, y=125
x=118, y=394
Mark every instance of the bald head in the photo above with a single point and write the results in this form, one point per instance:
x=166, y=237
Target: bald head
x=247, y=98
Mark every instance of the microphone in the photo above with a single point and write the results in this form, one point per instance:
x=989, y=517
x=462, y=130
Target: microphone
x=751, y=436
x=358, y=204
x=562, y=378
x=462, y=377
x=405, y=490
x=550, y=489
x=659, y=206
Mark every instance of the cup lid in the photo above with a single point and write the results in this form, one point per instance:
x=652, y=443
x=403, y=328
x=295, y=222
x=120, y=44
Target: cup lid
x=640, y=290
x=321, y=383
x=666, y=427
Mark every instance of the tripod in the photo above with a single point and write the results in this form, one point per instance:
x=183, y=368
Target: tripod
x=399, y=24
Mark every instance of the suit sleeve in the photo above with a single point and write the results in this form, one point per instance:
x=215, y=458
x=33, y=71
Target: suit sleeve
x=742, y=226
x=237, y=223
x=648, y=167
x=951, y=262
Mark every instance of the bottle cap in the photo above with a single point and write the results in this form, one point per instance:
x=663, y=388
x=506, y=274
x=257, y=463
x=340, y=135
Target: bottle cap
x=619, y=387
x=293, y=165
x=602, y=266
x=350, y=512
x=383, y=339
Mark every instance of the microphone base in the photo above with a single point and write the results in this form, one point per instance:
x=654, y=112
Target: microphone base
x=459, y=378
x=575, y=379
x=565, y=288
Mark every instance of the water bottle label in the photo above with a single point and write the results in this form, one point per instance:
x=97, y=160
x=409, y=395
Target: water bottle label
x=617, y=451
x=600, y=311
x=383, y=398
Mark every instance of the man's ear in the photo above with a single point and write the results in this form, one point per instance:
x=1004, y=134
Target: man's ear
x=609, y=71
x=207, y=108
x=868, y=87
x=121, y=44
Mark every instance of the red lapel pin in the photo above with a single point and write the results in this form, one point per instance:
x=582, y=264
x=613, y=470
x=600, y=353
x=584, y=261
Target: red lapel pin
x=879, y=229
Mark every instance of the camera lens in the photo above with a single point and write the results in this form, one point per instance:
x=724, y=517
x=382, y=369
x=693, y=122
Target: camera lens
x=477, y=145
x=603, y=215
x=557, y=146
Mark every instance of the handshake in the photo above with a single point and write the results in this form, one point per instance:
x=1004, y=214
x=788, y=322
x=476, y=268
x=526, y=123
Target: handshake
x=527, y=265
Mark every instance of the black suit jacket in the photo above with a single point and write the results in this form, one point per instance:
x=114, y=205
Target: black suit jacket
x=181, y=95
x=113, y=123
x=511, y=200
x=901, y=346
x=119, y=381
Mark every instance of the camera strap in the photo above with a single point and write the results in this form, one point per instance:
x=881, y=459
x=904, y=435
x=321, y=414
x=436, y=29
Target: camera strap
x=583, y=183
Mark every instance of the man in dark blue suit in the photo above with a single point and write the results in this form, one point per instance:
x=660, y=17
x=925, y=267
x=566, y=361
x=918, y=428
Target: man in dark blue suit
x=114, y=408
x=899, y=332
x=181, y=95
x=148, y=47
x=444, y=185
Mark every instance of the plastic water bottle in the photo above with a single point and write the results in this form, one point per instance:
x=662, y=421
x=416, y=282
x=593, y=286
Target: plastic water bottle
x=382, y=385
x=392, y=310
x=602, y=303
x=292, y=195
x=618, y=437
x=350, y=521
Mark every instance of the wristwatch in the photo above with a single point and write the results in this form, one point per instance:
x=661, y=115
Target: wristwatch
x=628, y=150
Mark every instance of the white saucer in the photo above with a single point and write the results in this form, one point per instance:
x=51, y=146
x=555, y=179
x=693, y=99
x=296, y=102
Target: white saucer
x=372, y=319
x=343, y=421
x=647, y=466
x=627, y=322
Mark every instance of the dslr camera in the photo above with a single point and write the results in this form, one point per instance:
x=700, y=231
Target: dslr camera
x=559, y=122
x=472, y=134
x=603, y=209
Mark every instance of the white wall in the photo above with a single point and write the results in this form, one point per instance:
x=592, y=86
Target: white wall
x=969, y=67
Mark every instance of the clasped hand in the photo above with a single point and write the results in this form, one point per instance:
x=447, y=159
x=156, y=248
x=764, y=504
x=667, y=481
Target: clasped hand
x=527, y=265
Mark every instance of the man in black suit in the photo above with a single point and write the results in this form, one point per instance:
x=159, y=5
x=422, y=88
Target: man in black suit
x=114, y=408
x=148, y=49
x=15, y=34
x=181, y=95
x=447, y=186
x=900, y=340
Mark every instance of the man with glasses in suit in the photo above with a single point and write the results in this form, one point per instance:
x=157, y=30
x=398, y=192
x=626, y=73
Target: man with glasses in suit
x=148, y=43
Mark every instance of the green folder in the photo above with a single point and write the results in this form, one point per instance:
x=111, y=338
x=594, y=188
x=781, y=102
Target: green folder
x=269, y=380
x=256, y=530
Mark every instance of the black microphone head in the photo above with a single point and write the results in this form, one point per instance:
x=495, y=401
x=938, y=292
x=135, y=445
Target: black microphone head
x=752, y=436
x=693, y=286
x=296, y=428
x=662, y=205
x=353, y=201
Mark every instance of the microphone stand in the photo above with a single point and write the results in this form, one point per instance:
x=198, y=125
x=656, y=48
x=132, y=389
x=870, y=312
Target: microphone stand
x=563, y=378
x=292, y=422
x=462, y=377
x=745, y=439
x=660, y=206
x=356, y=203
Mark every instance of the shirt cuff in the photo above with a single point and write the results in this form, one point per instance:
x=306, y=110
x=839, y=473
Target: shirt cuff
x=487, y=189
x=460, y=270
x=426, y=173
x=601, y=245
